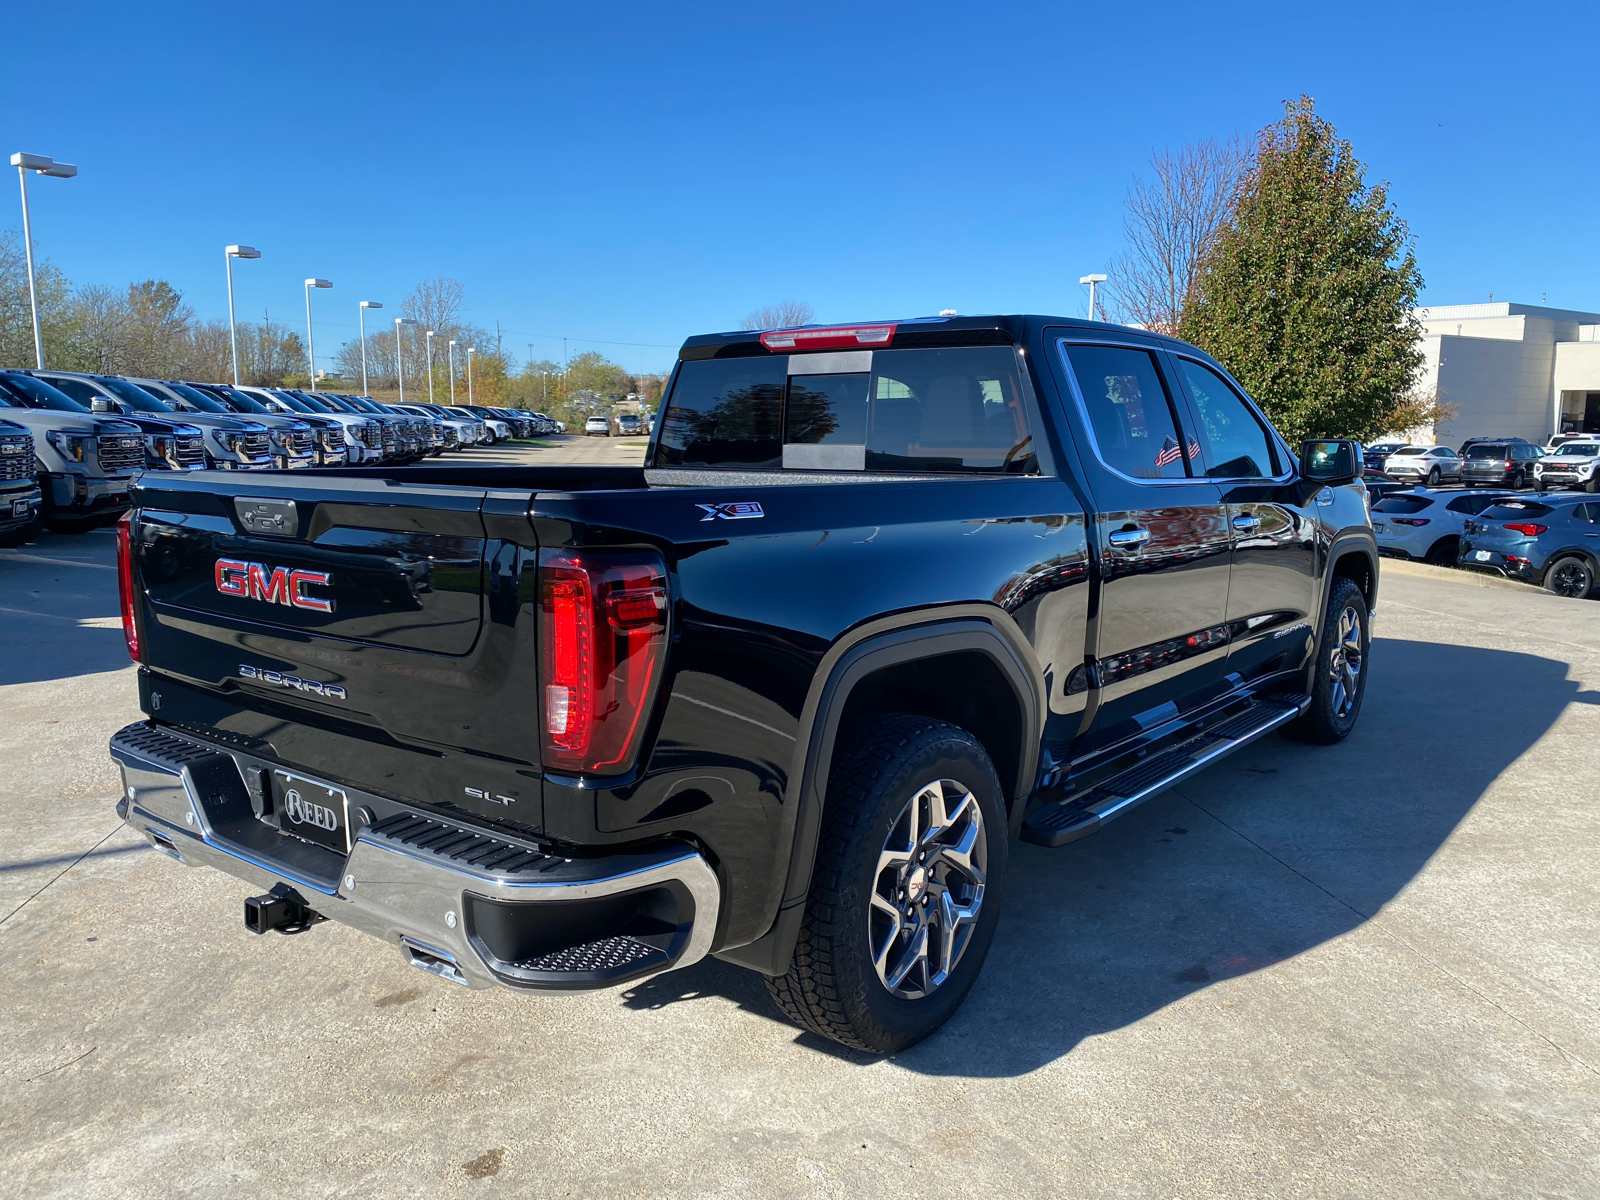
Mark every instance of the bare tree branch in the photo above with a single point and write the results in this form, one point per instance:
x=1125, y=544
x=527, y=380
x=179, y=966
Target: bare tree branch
x=787, y=315
x=1170, y=226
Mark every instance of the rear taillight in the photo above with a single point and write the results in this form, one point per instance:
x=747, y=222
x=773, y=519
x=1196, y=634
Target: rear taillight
x=1417, y=521
x=130, y=626
x=602, y=638
x=1526, y=528
x=833, y=337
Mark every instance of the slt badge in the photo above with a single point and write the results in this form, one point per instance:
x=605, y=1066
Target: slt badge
x=739, y=510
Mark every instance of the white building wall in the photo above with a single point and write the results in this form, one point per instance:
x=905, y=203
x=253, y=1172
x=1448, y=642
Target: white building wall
x=1498, y=388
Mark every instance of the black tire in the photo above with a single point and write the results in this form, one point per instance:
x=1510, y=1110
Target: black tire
x=1444, y=552
x=1569, y=576
x=1540, y=486
x=1592, y=486
x=21, y=535
x=834, y=986
x=1518, y=482
x=1337, y=690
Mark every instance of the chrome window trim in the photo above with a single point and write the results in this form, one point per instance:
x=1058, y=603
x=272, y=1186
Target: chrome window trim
x=1273, y=436
x=1088, y=423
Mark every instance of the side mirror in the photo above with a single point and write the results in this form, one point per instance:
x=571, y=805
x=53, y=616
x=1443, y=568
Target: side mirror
x=1329, y=462
x=101, y=405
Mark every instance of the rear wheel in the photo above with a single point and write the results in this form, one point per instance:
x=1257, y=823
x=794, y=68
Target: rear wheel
x=1569, y=577
x=1443, y=552
x=1518, y=482
x=1339, y=674
x=905, y=892
x=1433, y=477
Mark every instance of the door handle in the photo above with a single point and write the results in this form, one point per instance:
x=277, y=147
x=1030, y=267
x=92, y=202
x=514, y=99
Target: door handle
x=1128, y=539
x=1246, y=523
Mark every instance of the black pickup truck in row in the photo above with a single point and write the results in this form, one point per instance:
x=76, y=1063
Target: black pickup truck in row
x=882, y=597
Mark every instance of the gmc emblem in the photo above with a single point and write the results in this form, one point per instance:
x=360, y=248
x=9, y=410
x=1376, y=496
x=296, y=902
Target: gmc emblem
x=280, y=585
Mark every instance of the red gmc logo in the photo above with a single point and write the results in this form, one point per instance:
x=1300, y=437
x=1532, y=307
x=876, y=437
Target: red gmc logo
x=279, y=585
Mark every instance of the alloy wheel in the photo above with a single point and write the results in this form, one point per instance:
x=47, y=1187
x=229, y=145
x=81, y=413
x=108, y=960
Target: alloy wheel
x=1570, y=578
x=927, y=890
x=1345, y=667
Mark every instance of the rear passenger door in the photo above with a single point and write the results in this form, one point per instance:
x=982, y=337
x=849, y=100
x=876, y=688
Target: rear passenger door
x=1161, y=536
x=1273, y=581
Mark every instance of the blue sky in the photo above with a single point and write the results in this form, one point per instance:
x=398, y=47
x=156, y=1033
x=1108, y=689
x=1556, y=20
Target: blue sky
x=638, y=173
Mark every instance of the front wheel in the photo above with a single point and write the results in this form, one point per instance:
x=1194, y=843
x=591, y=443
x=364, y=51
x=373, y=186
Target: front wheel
x=905, y=891
x=1569, y=577
x=1339, y=673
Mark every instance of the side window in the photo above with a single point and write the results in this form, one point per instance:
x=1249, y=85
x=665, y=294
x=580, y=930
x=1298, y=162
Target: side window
x=76, y=388
x=1130, y=414
x=1586, y=514
x=1239, y=446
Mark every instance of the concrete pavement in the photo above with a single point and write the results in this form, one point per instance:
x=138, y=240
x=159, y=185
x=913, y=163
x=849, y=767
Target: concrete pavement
x=1365, y=970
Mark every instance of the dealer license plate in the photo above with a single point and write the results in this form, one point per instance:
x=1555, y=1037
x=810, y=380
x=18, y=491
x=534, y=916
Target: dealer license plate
x=20, y=508
x=312, y=811
x=1483, y=556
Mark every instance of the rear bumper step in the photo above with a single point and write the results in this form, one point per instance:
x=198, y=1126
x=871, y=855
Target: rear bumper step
x=1078, y=815
x=462, y=903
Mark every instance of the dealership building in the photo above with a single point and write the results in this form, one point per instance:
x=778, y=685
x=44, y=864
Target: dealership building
x=1511, y=370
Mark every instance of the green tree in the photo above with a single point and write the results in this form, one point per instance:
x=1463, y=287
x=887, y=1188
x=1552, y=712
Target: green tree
x=1308, y=294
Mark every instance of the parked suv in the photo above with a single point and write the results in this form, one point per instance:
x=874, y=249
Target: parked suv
x=1424, y=464
x=1500, y=464
x=84, y=463
x=171, y=443
x=1427, y=525
x=1569, y=465
x=597, y=427
x=21, y=501
x=1552, y=541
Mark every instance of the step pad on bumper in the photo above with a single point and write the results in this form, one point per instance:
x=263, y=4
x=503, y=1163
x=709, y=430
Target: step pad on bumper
x=1078, y=815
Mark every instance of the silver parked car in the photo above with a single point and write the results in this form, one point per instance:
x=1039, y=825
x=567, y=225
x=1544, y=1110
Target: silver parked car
x=1427, y=525
x=1425, y=464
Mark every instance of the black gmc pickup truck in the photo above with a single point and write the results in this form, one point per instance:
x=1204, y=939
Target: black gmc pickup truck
x=883, y=597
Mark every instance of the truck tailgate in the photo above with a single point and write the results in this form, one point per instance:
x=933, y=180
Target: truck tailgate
x=354, y=627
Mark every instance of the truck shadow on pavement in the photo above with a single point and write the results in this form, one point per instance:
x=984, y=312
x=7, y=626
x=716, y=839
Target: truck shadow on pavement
x=1275, y=851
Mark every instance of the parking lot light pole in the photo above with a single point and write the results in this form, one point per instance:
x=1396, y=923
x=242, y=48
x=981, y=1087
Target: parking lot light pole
x=399, y=364
x=362, y=317
x=452, y=371
x=229, y=253
x=471, y=350
x=428, y=342
x=45, y=166
x=311, y=344
x=1091, y=280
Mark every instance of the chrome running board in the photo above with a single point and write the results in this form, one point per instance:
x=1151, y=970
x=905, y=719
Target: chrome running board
x=1078, y=815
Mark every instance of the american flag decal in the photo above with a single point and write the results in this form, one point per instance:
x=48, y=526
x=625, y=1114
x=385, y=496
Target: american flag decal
x=1169, y=453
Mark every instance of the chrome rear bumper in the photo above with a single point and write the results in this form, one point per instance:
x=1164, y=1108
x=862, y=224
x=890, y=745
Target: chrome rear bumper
x=463, y=903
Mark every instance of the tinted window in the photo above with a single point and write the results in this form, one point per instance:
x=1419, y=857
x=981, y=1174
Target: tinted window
x=1587, y=513
x=1517, y=510
x=1239, y=446
x=1443, y=452
x=36, y=393
x=1472, y=505
x=1130, y=416
x=1402, y=504
x=724, y=413
x=1486, y=451
x=1578, y=449
x=827, y=410
x=77, y=389
x=133, y=396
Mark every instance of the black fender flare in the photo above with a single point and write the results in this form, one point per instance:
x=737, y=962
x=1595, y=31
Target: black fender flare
x=1347, y=542
x=869, y=647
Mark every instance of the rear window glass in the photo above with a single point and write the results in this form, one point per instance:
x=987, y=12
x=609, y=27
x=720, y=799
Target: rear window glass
x=1402, y=504
x=1472, y=504
x=1411, y=450
x=1513, y=510
x=958, y=410
x=1482, y=451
